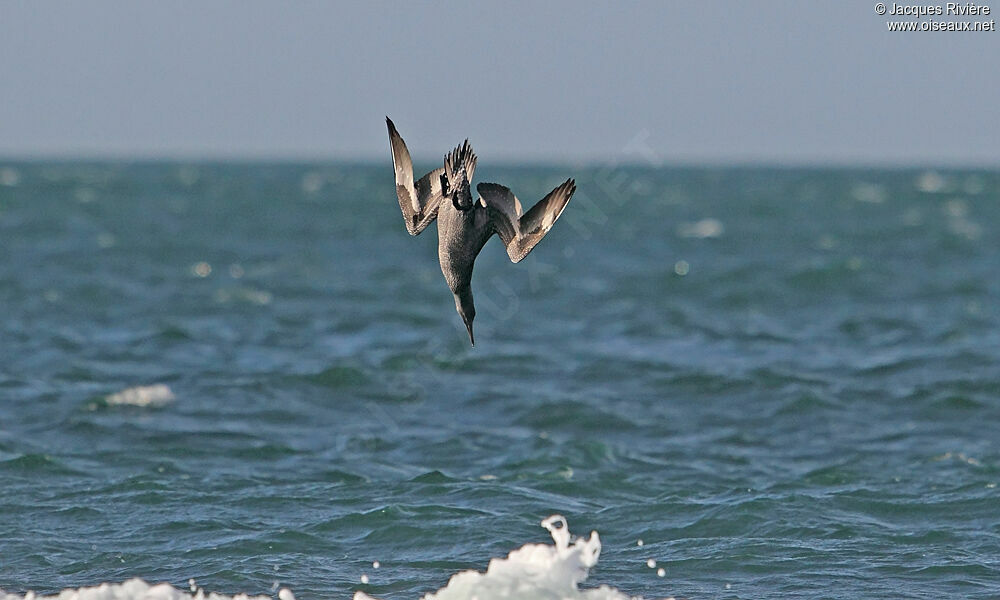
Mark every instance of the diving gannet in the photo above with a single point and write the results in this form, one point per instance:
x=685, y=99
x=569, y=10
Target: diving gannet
x=465, y=225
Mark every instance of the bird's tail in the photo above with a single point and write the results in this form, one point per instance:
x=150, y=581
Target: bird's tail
x=460, y=162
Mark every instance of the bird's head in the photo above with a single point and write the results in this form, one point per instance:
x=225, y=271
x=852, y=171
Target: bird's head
x=459, y=167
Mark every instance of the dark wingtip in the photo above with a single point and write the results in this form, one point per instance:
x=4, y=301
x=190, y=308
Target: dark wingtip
x=472, y=338
x=570, y=187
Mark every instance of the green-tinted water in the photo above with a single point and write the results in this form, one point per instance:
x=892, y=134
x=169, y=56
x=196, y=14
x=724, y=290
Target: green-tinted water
x=785, y=382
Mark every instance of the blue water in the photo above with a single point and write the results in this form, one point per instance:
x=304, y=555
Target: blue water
x=785, y=382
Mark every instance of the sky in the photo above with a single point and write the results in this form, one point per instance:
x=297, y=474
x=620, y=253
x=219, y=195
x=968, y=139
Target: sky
x=771, y=81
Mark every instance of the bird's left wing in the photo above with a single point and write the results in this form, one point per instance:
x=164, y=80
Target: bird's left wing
x=418, y=200
x=521, y=232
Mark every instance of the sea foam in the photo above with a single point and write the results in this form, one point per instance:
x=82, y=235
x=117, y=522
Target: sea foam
x=536, y=571
x=533, y=571
x=144, y=395
x=133, y=589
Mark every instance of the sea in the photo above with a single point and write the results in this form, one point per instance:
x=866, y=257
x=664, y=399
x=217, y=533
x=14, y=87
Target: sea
x=706, y=382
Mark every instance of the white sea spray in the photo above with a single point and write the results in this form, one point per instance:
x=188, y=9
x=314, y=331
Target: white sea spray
x=536, y=571
x=132, y=589
x=147, y=395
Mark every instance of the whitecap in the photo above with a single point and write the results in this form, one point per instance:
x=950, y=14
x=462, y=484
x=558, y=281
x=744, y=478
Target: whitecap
x=703, y=229
x=133, y=589
x=533, y=571
x=9, y=177
x=312, y=182
x=931, y=182
x=143, y=395
x=540, y=571
x=869, y=192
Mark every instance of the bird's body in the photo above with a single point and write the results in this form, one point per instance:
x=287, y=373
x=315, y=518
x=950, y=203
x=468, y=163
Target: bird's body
x=461, y=236
x=464, y=225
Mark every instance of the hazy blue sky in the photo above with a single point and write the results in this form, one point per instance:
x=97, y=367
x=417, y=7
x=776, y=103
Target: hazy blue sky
x=559, y=81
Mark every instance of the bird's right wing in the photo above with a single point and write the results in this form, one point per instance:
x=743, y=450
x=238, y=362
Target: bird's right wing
x=521, y=232
x=418, y=200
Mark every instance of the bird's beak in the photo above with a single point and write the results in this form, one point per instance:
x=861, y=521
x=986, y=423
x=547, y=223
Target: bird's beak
x=468, y=325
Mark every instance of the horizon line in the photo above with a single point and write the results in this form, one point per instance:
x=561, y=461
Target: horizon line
x=584, y=163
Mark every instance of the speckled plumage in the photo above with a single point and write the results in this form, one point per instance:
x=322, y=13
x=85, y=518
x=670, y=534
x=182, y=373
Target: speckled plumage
x=464, y=225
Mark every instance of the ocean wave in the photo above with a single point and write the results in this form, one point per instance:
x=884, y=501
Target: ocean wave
x=145, y=396
x=137, y=589
x=537, y=571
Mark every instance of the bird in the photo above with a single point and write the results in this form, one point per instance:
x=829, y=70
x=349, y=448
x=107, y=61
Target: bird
x=464, y=224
